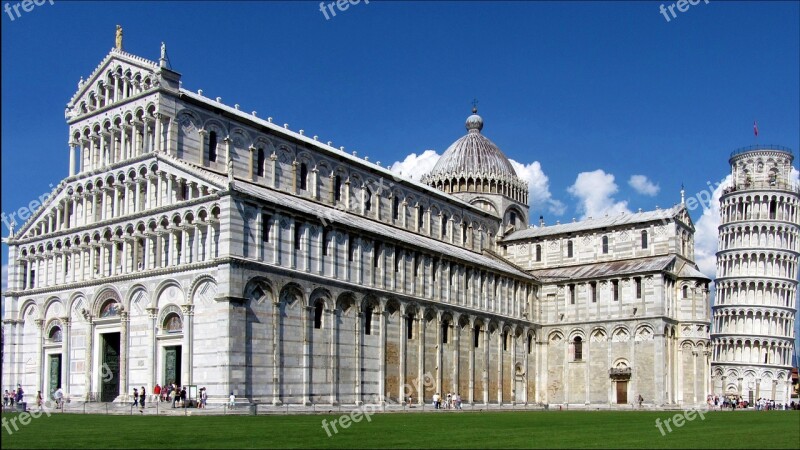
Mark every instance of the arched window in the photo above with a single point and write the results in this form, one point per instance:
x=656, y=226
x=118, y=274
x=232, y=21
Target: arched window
x=212, y=146
x=260, y=162
x=368, y=320
x=773, y=207
x=303, y=177
x=445, y=328
x=605, y=245
x=571, y=294
x=110, y=309
x=298, y=235
x=578, y=345
x=410, y=327
x=367, y=200
x=444, y=225
x=538, y=252
x=318, y=314
x=513, y=219
x=685, y=292
x=337, y=188
x=569, y=249
x=395, y=207
x=173, y=323
x=56, y=335
x=644, y=239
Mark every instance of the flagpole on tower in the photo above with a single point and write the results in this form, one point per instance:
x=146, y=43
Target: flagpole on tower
x=755, y=130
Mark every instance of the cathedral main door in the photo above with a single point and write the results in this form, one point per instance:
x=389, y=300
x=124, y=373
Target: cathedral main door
x=54, y=378
x=172, y=364
x=622, y=392
x=109, y=384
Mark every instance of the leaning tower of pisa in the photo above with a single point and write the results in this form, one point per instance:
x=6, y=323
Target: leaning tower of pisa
x=756, y=284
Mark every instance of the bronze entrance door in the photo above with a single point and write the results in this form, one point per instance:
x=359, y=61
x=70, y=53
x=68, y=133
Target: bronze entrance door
x=172, y=364
x=109, y=383
x=54, y=378
x=622, y=392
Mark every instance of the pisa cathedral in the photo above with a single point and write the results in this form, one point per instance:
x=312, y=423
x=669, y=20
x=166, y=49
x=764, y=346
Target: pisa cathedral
x=197, y=243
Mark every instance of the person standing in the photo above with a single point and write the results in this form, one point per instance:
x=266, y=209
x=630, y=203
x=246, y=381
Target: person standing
x=135, y=397
x=157, y=392
x=183, y=396
x=5, y=398
x=232, y=400
x=39, y=400
x=142, y=398
x=59, y=396
x=20, y=394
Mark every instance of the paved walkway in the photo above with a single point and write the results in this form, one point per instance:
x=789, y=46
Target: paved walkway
x=165, y=408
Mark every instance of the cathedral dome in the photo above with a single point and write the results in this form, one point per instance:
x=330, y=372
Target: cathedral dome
x=473, y=153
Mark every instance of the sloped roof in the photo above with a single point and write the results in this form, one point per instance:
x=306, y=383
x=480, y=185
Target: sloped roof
x=330, y=150
x=689, y=271
x=604, y=269
x=333, y=215
x=596, y=223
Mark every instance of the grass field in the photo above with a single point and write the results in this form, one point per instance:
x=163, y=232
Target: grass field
x=777, y=429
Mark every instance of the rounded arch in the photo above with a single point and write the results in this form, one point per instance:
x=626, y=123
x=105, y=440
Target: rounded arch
x=168, y=291
x=53, y=307
x=197, y=284
x=577, y=332
x=321, y=294
x=291, y=292
x=103, y=296
x=138, y=299
x=28, y=305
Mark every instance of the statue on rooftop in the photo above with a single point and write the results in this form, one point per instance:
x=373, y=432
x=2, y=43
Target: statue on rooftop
x=119, y=37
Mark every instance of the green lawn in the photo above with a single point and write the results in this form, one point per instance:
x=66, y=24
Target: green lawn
x=742, y=429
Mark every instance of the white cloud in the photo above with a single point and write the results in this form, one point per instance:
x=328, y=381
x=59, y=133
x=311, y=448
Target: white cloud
x=642, y=185
x=539, y=195
x=706, y=231
x=595, y=191
x=538, y=183
x=795, y=176
x=414, y=166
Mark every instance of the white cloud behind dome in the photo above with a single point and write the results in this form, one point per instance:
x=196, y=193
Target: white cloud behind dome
x=540, y=198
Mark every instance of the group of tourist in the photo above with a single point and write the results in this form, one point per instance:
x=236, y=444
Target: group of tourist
x=736, y=402
x=451, y=401
x=175, y=394
x=13, y=396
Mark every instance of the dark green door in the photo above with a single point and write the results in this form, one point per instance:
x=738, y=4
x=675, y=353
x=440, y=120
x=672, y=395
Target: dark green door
x=172, y=364
x=55, y=375
x=109, y=384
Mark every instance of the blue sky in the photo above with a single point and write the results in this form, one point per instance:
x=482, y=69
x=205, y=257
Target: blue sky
x=584, y=95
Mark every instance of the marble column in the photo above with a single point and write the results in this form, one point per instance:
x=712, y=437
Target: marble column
x=152, y=353
x=124, y=322
x=276, y=353
x=187, y=349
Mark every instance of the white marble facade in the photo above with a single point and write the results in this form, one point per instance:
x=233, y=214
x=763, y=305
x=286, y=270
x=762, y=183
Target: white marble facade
x=756, y=302
x=196, y=242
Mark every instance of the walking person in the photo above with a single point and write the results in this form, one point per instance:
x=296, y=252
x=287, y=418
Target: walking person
x=142, y=397
x=157, y=392
x=232, y=401
x=135, y=397
x=39, y=400
x=183, y=396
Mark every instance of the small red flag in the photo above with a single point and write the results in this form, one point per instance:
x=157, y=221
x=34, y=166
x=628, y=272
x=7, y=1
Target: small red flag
x=755, y=128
